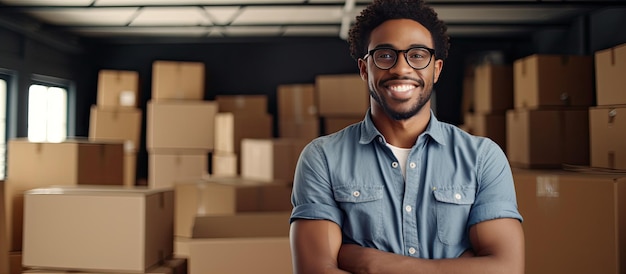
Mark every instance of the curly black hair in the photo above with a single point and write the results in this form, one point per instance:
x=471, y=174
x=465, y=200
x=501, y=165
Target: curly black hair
x=382, y=10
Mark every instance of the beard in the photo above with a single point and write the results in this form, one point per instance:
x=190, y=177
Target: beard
x=403, y=115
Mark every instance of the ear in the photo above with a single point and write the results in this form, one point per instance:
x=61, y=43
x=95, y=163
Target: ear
x=438, y=68
x=363, y=69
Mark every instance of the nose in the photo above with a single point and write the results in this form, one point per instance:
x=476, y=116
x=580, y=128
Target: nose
x=402, y=65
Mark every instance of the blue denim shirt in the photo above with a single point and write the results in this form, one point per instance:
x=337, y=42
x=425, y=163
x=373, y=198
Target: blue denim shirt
x=453, y=181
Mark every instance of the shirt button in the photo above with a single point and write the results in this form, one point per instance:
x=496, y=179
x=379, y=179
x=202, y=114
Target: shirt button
x=457, y=196
x=394, y=164
x=411, y=251
x=412, y=165
x=356, y=193
x=380, y=139
x=408, y=208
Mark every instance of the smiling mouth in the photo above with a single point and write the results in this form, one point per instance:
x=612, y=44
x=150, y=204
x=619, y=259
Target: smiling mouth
x=401, y=88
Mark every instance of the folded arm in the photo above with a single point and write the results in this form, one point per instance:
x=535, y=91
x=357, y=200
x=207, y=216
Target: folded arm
x=314, y=246
x=498, y=247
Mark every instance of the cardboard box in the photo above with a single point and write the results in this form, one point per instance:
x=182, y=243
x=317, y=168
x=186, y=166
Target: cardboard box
x=242, y=104
x=553, y=80
x=170, y=266
x=226, y=196
x=493, y=89
x=34, y=165
x=610, y=65
x=108, y=229
x=550, y=202
x=130, y=168
x=334, y=124
x=467, y=103
x=341, y=95
x=118, y=88
x=4, y=247
x=243, y=225
x=259, y=255
x=116, y=124
x=301, y=129
x=297, y=102
x=166, y=167
x=174, y=80
x=270, y=159
x=607, y=137
x=225, y=132
x=180, y=124
x=547, y=138
x=224, y=164
x=492, y=126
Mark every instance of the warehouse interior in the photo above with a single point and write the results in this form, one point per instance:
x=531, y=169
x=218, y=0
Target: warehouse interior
x=252, y=48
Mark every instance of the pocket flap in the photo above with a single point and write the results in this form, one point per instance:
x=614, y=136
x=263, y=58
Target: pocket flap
x=357, y=193
x=463, y=196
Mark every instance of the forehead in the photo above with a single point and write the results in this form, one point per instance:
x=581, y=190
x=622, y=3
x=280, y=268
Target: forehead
x=400, y=33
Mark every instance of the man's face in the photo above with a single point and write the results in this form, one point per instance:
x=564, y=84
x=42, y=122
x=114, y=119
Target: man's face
x=401, y=91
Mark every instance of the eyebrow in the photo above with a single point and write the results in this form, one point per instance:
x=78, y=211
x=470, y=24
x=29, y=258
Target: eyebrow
x=391, y=46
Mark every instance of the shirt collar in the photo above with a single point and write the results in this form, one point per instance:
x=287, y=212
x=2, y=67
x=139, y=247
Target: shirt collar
x=369, y=132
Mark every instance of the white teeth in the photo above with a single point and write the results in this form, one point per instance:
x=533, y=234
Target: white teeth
x=401, y=88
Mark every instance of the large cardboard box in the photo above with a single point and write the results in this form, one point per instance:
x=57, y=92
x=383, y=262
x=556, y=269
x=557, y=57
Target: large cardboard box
x=170, y=266
x=607, y=137
x=176, y=80
x=226, y=196
x=547, y=138
x=243, y=104
x=259, y=255
x=493, y=89
x=4, y=247
x=270, y=159
x=610, y=67
x=180, y=124
x=107, y=229
x=166, y=167
x=552, y=207
x=553, y=80
x=130, y=168
x=33, y=165
x=116, y=124
x=341, y=94
x=118, y=88
x=296, y=102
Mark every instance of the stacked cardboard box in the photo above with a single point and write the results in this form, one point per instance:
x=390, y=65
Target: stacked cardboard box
x=116, y=116
x=270, y=160
x=219, y=220
x=492, y=96
x=180, y=123
x=548, y=126
x=241, y=116
x=556, y=222
x=70, y=228
x=32, y=165
x=607, y=120
x=297, y=111
x=343, y=99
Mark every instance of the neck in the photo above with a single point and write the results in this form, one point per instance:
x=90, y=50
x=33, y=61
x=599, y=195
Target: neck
x=403, y=133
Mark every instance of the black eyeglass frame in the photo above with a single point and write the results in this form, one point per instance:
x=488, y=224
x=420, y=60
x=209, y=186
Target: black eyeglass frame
x=404, y=51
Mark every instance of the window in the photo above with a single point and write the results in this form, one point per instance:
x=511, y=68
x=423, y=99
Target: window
x=47, y=113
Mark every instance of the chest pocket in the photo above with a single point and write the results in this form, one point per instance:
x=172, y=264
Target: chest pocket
x=363, y=208
x=453, y=207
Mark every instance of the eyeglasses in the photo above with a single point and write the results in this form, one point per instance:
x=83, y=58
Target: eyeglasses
x=386, y=58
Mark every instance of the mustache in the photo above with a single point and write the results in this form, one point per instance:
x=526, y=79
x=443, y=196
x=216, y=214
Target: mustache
x=419, y=81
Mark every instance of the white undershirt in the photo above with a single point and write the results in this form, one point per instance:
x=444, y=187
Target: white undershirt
x=402, y=154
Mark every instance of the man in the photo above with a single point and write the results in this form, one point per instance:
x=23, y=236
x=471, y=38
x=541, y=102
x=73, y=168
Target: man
x=401, y=192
